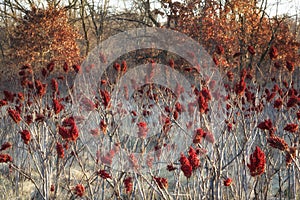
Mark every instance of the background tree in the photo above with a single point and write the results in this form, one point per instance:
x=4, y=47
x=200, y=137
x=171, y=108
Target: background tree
x=241, y=28
x=42, y=36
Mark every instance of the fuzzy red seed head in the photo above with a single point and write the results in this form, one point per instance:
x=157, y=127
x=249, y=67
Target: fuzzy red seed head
x=257, y=162
x=25, y=135
x=103, y=174
x=161, y=182
x=278, y=143
x=186, y=166
x=193, y=158
x=142, y=129
x=76, y=68
x=128, y=184
x=227, y=182
x=5, y=146
x=291, y=128
x=60, y=150
x=15, y=115
x=79, y=190
x=57, y=106
x=4, y=158
x=54, y=85
x=117, y=67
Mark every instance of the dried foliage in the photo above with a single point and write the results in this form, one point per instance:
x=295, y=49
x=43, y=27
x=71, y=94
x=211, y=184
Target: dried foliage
x=237, y=32
x=42, y=36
